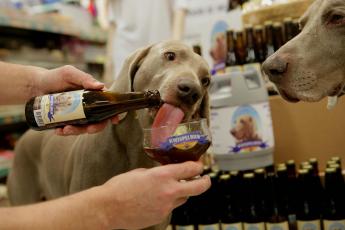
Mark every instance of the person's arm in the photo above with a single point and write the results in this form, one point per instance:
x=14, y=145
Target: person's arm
x=19, y=83
x=137, y=199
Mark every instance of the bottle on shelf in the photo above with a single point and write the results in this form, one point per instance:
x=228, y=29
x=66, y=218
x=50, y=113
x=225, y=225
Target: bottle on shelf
x=249, y=38
x=182, y=217
x=308, y=215
x=208, y=215
x=334, y=205
x=288, y=28
x=240, y=48
x=278, y=37
x=82, y=107
x=259, y=44
x=269, y=38
x=230, y=215
x=314, y=163
x=230, y=61
x=252, y=210
x=277, y=213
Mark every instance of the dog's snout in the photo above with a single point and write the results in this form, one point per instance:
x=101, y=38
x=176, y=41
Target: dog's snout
x=275, y=67
x=188, y=92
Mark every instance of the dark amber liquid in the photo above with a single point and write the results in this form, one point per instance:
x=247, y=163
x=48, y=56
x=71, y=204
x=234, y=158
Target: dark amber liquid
x=175, y=155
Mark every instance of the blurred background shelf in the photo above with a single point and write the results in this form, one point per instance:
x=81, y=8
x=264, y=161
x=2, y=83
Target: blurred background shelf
x=50, y=23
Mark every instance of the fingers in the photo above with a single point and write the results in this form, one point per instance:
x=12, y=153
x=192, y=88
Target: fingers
x=80, y=79
x=195, y=187
x=185, y=170
x=76, y=130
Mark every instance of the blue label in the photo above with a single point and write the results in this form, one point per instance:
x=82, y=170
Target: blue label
x=184, y=141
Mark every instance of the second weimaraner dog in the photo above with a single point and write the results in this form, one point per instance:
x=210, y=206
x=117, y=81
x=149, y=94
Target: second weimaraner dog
x=311, y=66
x=51, y=166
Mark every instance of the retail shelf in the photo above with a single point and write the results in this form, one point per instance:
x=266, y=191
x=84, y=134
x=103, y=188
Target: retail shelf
x=11, y=115
x=52, y=23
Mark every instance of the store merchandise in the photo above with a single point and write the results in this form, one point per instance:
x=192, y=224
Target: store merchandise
x=84, y=107
x=285, y=198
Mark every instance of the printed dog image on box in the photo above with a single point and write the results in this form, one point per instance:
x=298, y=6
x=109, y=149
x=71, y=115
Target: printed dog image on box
x=245, y=129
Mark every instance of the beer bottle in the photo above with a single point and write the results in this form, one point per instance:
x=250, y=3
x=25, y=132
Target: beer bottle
x=259, y=44
x=261, y=189
x=240, y=49
x=230, y=56
x=291, y=168
x=208, y=202
x=250, y=44
x=82, y=107
x=334, y=206
x=277, y=215
x=295, y=27
x=269, y=38
x=308, y=216
x=252, y=210
x=337, y=160
x=197, y=49
x=288, y=28
x=315, y=166
x=278, y=37
x=230, y=210
x=182, y=218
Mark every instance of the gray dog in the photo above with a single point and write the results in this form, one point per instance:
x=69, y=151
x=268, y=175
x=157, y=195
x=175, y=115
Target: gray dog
x=51, y=166
x=311, y=66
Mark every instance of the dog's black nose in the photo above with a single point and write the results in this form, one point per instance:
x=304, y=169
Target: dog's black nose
x=188, y=92
x=275, y=67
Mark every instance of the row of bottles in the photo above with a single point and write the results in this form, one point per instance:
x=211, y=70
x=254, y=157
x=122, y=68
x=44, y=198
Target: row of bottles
x=275, y=198
x=255, y=43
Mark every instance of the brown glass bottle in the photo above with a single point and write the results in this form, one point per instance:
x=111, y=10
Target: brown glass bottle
x=240, y=48
x=230, y=44
x=278, y=36
x=288, y=28
x=250, y=44
x=84, y=107
x=259, y=45
x=269, y=38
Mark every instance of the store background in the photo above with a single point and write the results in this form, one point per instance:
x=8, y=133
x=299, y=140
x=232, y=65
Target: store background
x=54, y=33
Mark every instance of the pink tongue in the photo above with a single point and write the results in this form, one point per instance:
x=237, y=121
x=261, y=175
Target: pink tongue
x=168, y=115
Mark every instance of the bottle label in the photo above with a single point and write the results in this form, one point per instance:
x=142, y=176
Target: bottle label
x=184, y=227
x=277, y=226
x=234, y=226
x=308, y=225
x=59, y=107
x=254, y=226
x=334, y=224
x=209, y=227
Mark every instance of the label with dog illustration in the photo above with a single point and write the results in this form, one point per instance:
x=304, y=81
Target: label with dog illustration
x=59, y=107
x=241, y=129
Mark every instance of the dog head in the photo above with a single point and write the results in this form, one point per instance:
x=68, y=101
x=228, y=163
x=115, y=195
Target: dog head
x=311, y=66
x=180, y=75
x=245, y=128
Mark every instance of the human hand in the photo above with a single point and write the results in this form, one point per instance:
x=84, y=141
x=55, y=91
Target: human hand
x=145, y=197
x=67, y=78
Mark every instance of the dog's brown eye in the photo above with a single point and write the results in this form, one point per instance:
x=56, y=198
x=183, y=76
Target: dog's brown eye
x=170, y=56
x=336, y=19
x=205, y=81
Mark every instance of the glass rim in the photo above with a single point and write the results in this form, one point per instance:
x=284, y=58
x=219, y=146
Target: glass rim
x=181, y=124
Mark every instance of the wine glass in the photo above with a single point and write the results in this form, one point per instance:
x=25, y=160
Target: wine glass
x=171, y=144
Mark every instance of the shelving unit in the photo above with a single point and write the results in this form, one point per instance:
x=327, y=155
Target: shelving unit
x=50, y=23
x=47, y=40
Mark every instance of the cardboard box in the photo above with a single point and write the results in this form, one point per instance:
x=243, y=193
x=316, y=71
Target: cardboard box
x=304, y=130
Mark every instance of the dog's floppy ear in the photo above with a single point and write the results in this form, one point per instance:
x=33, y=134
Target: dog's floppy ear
x=124, y=82
x=205, y=108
